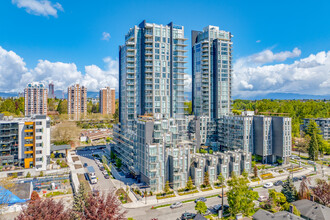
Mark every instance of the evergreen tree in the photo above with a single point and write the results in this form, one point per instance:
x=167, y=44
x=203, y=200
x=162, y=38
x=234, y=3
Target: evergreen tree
x=167, y=187
x=206, y=179
x=190, y=184
x=79, y=202
x=313, y=148
x=289, y=190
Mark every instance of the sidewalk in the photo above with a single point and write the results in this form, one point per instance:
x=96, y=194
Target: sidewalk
x=154, y=202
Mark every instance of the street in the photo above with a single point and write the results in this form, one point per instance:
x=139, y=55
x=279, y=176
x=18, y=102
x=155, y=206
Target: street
x=103, y=185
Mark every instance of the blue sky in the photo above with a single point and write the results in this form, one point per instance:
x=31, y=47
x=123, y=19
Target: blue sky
x=55, y=36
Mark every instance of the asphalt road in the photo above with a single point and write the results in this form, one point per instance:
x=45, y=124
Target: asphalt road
x=103, y=185
x=166, y=213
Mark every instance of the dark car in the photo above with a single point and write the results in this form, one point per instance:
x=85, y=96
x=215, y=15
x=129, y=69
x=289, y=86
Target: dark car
x=85, y=165
x=102, y=168
x=107, y=176
x=278, y=183
x=202, y=199
x=295, y=179
x=302, y=177
x=187, y=215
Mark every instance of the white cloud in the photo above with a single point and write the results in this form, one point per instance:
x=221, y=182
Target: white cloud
x=39, y=7
x=309, y=75
x=258, y=41
x=105, y=36
x=187, y=83
x=14, y=75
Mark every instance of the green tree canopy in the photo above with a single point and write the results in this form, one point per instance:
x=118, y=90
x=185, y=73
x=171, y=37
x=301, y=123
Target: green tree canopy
x=200, y=207
x=289, y=190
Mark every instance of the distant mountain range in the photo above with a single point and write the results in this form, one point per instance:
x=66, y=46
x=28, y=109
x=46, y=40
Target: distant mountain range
x=188, y=96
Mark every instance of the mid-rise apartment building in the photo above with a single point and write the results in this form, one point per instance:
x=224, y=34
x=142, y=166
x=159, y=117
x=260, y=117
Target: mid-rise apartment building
x=151, y=72
x=265, y=136
x=323, y=123
x=211, y=72
x=35, y=99
x=77, y=102
x=25, y=142
x=107, y=99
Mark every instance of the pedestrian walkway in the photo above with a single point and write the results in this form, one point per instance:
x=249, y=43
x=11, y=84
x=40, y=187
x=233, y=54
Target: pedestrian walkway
x=155, y=202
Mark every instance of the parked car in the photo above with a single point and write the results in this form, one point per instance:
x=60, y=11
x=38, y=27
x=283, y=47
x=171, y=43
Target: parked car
x=85, y=165
x=102, y=168
x=202, y=199
x=295, y=157
x=295, y=179
x=311, y=162
x=107, y=176
x=216, y=208
x=278, y=183
x=268, y=185
x=176, y=205
x=188, y=215
x=104, y=172
x=302, y=177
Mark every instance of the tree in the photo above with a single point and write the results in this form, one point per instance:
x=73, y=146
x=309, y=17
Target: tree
x=313, y=148
x=255, y=171
x=190, y=184
x=118, y=162
x=41, y=174
x=66, y=132
x=302, y=144
x=112, y=155
x=167, y=187
x=245, y=174
x=200, y=207
x=322, y=192
x=206, y=179
x=277, y=198
x=79, y=202
x=240, y=198
x=28, y=175
x=221, y=179
x=34, y=196
x=103, y=207
x=62, y=107
x=304, y=192
x=44, y=209
x=188, y=108
x=289, y=190
x=52, y=155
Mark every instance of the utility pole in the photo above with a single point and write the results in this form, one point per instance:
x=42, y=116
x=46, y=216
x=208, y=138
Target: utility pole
x=145, y=194
x=292, y=171
x=222, y=208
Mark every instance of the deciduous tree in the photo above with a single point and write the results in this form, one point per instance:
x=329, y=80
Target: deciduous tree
x=190, y=184
x=44, y=209
x=200, y=207
x=322, y=192
x=240, y=198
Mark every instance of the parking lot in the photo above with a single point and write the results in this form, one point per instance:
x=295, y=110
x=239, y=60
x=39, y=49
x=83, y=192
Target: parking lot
x=103, y=184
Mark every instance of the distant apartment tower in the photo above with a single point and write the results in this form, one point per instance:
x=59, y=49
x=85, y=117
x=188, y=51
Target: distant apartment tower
x=77, y=102
x=35, y=95
x=51, y=91
x=107, y=101
x=151, y=72
x=211, y=72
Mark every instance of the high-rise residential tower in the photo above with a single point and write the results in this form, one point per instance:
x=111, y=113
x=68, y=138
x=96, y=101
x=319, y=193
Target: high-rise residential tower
x=211, y=72
x=77, y=102
x=107, y=101
x=151, y=72
x=35, y=99
x=51, y=91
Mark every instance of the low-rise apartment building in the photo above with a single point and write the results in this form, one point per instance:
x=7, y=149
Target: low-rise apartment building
x=323, y=123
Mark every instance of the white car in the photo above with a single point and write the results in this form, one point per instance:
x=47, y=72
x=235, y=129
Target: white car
x=268, y=185
x=176, y=205
x=104, y=172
